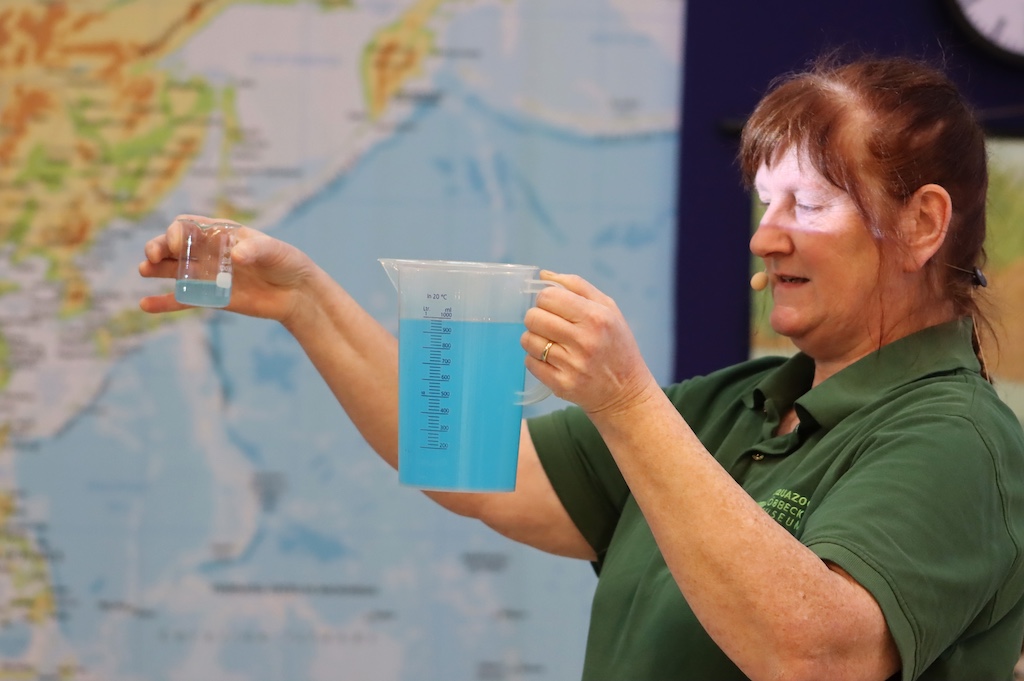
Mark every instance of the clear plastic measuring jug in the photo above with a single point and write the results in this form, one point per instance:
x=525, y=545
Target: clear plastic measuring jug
x=461, y=371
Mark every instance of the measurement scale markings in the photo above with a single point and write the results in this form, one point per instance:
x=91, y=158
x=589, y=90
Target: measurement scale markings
x=435, y=347
x=433, y=426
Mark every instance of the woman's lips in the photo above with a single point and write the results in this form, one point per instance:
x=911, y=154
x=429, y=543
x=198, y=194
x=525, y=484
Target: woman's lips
x=790, y=279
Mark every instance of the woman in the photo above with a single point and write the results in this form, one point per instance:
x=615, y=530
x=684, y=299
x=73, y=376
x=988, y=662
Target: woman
x=852, y=512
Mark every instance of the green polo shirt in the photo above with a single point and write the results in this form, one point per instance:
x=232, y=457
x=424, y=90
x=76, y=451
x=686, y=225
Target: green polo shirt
x=906, y=470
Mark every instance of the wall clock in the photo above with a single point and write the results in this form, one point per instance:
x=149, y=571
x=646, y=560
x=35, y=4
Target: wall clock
x=997, y=25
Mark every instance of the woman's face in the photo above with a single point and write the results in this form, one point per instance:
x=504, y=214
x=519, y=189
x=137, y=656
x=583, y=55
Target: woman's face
x=822, y=262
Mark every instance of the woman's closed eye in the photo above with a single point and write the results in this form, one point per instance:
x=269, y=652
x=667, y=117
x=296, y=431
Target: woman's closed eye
x=809, y=207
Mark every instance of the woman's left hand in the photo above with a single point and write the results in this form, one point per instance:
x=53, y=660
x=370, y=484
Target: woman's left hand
x=594, y=360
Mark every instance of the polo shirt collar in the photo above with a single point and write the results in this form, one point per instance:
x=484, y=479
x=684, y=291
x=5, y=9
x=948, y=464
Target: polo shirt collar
x=940, y=349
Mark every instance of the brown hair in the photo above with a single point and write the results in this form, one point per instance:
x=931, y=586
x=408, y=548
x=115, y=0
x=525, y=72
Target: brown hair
x=879, y=129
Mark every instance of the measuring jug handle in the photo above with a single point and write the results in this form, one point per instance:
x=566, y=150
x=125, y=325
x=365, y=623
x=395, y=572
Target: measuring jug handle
x=536, y=285
x=534, y=394
x=539, y=392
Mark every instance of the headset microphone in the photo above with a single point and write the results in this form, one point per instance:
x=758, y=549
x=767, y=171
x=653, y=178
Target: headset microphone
x=759, y=281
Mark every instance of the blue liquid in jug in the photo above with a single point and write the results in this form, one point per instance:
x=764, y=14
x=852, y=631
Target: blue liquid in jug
x=201, y=293
x=459, y=417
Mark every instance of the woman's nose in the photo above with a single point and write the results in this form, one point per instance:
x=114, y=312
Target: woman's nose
x=771, y=236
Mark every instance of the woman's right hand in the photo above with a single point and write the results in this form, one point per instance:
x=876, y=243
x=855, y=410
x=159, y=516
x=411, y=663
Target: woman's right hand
x=267, y=281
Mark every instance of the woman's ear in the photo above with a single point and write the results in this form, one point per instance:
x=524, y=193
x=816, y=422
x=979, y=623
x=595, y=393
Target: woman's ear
x=925, y=224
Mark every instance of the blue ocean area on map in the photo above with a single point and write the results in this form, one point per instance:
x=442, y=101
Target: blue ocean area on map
x=562, y=200
x=15, y=639
x=570, y=42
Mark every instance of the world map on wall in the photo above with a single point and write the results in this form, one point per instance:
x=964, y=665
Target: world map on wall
x=1004, y=270
x=180, y=495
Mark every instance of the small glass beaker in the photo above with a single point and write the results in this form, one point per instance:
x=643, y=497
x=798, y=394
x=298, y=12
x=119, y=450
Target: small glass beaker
x=204, y=264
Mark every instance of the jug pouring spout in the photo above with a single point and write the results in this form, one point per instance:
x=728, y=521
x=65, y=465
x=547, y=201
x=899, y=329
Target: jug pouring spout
x=391, y=267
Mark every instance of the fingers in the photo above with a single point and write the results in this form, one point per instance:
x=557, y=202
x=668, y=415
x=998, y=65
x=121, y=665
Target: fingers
x=580, y=346
x=161, y=269
x=156, y=249
x=165, y=246
x=253, y=248
x=168, y=244
x=161, y=303
x=578, y=320
x=539, y=347
x=543, y=326
x=575, y=301
x=577, y=285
